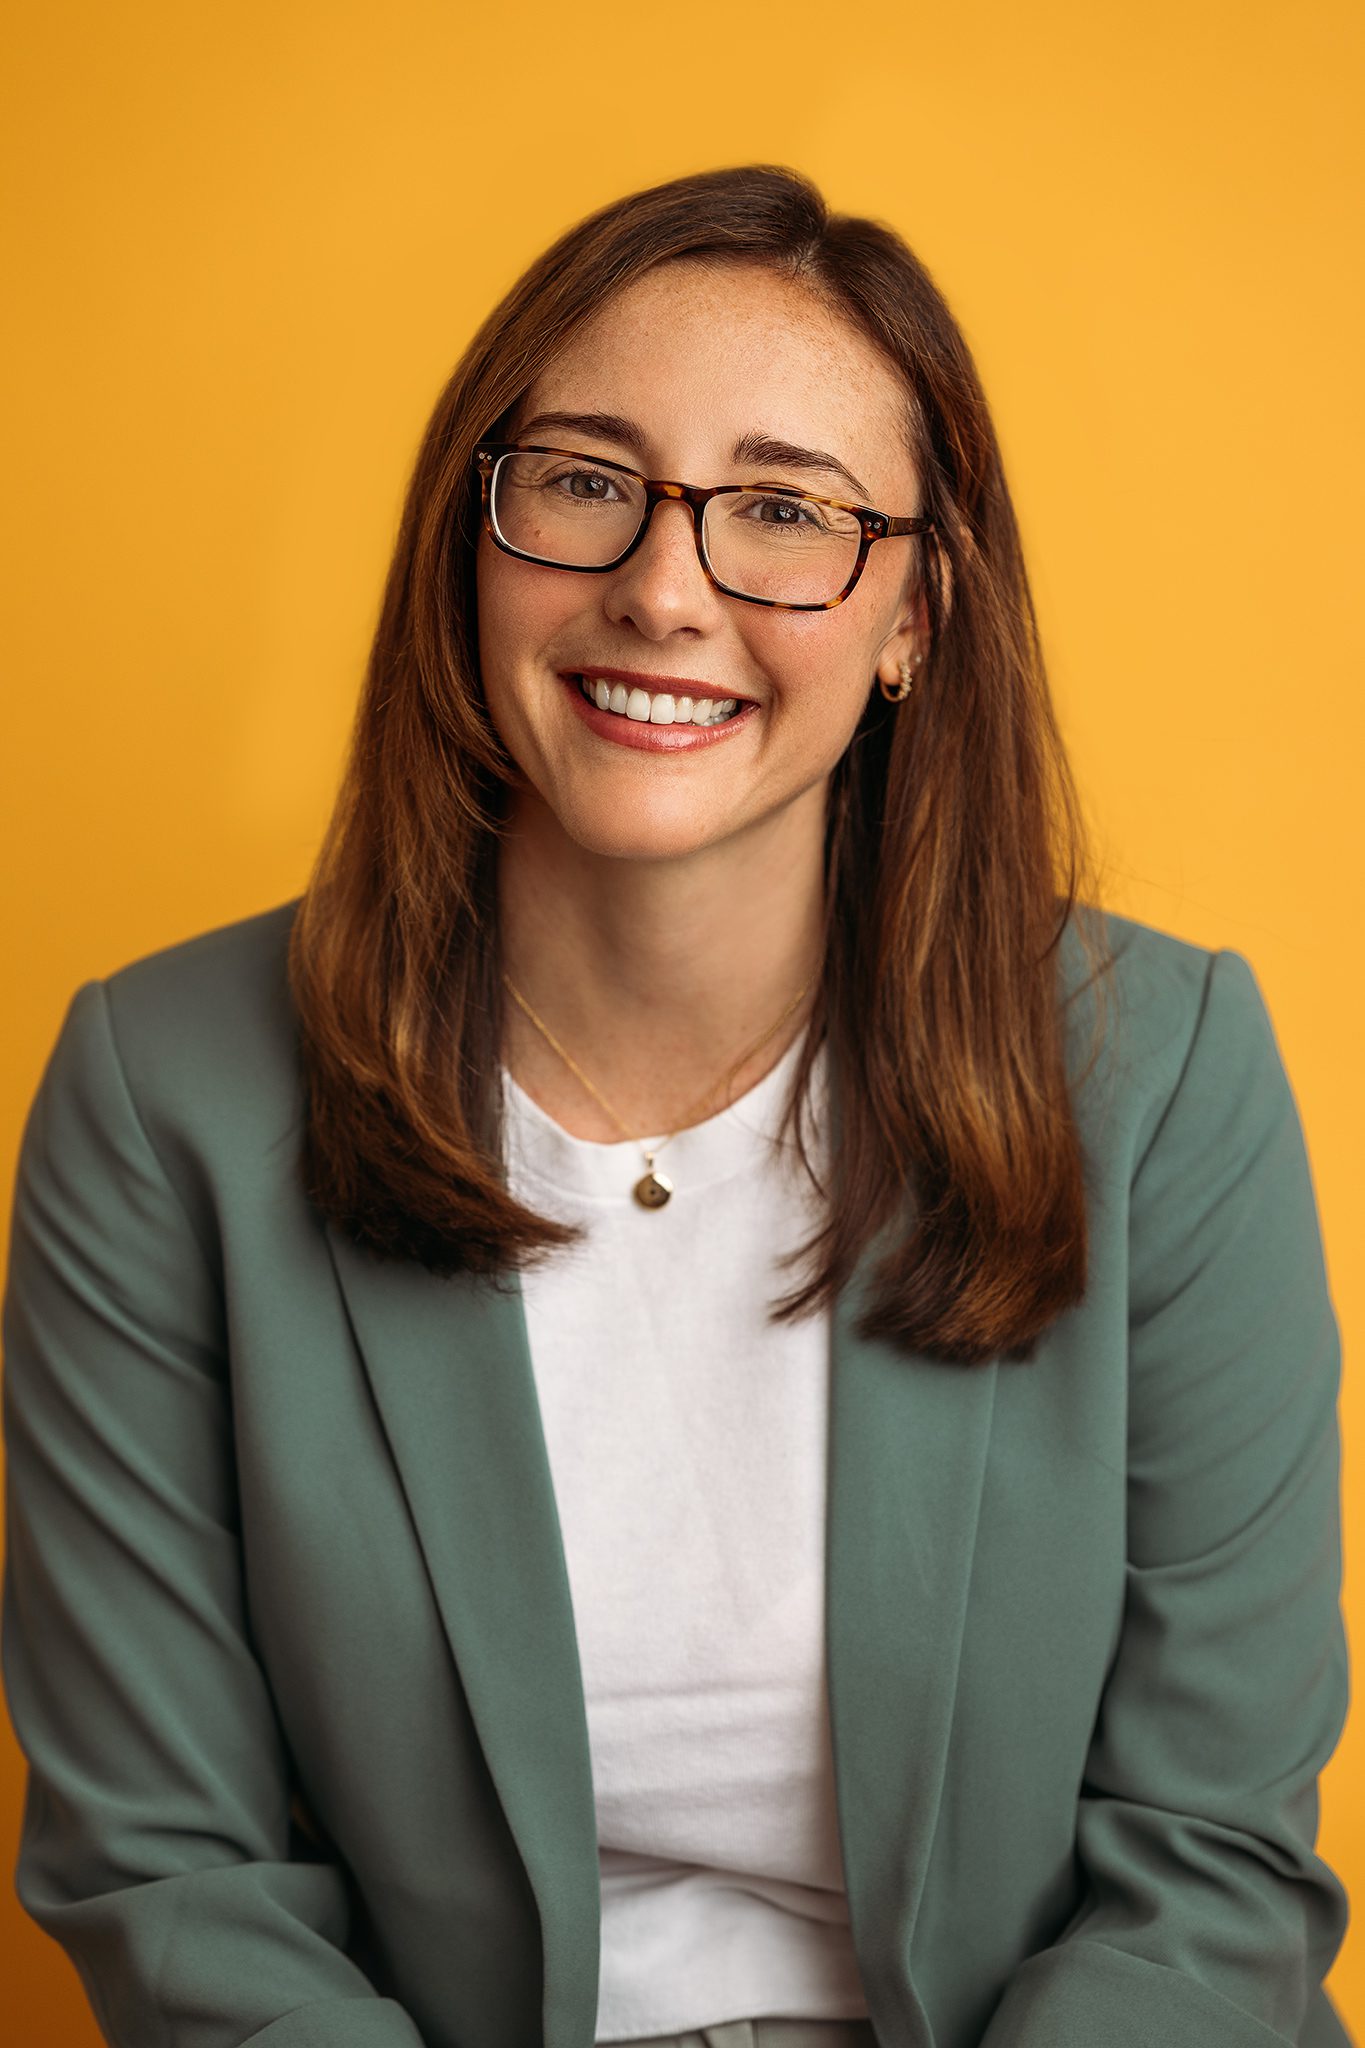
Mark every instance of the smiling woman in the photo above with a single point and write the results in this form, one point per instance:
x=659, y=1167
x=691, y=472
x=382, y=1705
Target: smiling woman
x=660, y=894
x=453, y=1598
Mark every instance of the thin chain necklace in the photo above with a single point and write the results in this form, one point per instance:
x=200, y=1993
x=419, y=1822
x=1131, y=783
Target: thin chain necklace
x=653, y=1189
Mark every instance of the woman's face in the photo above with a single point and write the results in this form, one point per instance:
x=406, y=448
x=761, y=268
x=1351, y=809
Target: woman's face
x=697, y=359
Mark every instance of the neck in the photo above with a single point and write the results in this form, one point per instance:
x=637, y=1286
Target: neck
x=655, y=975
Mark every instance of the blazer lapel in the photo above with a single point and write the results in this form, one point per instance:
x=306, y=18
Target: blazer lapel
x=450, y=1366
x=449, y=1363
x=908, y=1438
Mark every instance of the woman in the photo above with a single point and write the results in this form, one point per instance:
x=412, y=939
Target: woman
x=454, y=1596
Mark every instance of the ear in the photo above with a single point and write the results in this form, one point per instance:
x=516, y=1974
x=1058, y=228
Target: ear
x=909, y=641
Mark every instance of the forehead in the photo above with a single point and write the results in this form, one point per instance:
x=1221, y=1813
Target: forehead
x=699, y=354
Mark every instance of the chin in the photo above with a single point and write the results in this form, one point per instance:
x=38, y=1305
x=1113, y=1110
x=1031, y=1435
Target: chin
x=614, y=837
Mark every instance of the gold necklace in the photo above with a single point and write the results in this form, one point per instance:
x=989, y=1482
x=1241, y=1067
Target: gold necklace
x=653, y=1189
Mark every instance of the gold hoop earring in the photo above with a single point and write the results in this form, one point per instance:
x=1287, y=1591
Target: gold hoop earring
x=895, y=693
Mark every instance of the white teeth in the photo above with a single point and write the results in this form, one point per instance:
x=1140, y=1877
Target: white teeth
x=664, y=709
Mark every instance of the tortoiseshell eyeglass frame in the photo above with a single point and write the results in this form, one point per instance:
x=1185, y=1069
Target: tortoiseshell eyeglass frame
x=874, y=525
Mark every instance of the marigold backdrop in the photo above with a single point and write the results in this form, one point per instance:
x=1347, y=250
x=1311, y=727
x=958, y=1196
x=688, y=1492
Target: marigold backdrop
x=247, y=243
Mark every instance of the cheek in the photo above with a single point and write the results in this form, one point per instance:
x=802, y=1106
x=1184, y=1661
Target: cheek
x=824, y=673
x=501, y=640
x=524, y=614
x=500, y=619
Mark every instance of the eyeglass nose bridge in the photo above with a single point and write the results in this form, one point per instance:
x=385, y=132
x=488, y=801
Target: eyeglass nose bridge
x=696, y=497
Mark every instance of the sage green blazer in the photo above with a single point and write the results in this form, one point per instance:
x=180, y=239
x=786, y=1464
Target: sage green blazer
x=287, y=1632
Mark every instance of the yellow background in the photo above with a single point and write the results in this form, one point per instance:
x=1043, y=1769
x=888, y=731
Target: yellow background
x=248, y=242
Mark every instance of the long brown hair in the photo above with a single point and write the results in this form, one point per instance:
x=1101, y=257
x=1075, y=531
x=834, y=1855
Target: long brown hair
x=954, y=848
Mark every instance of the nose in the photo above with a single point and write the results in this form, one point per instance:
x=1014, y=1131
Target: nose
x=663, y=586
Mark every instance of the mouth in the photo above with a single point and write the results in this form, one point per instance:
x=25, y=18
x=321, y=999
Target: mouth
x=655, y=699
x=638, y=719
x=655, y=707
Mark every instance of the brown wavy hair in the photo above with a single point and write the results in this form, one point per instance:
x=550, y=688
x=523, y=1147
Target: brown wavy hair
x=954, y=848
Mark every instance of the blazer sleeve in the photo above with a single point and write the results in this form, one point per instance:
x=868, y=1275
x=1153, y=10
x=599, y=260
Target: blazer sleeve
x=1209, y=1921
x=156, y=1844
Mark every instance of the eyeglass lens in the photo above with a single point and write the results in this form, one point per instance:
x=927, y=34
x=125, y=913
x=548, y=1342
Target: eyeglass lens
x=761, y=543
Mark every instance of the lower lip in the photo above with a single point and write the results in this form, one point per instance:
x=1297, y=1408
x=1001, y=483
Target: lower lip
x=654, y=739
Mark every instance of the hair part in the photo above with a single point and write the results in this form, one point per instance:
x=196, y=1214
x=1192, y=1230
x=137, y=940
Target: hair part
x=954, y=848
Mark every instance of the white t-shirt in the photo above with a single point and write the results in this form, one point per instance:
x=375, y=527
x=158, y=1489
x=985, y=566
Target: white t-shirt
x=687, y=1438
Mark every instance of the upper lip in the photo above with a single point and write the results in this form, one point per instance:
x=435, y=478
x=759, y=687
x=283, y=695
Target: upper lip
x=677, y=686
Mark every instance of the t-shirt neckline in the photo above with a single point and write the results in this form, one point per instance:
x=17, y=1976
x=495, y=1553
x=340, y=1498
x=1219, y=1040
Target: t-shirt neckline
x=735, y=1140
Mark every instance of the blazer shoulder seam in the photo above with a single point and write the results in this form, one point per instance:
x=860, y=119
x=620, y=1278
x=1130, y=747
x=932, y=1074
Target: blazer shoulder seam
x=120, y=1065
x=1201, y=1012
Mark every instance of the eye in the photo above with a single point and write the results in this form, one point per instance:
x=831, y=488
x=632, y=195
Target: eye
x=790, y=512
x=592, y=477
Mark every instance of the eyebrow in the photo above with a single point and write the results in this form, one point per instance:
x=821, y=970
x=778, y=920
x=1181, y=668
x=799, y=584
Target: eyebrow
x=753, y=447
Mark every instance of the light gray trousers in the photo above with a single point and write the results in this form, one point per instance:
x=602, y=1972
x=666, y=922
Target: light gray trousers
x=765, y=2033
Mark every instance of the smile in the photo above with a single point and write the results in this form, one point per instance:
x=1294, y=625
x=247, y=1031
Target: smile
x=656, y=707
x=643, y=720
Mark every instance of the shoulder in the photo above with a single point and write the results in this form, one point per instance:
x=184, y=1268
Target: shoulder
x=238, y=963
x=1157, y=979
x=204, y=1029
x=180, y=1066
x=1173, y=1018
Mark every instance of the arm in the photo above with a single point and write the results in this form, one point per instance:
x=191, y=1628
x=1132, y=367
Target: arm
x=156, y=1838
x=1209, y=1920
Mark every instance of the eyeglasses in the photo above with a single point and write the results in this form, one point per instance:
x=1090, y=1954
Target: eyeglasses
x=767, y=544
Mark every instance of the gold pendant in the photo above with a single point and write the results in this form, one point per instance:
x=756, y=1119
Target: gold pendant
x=653, y=1189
